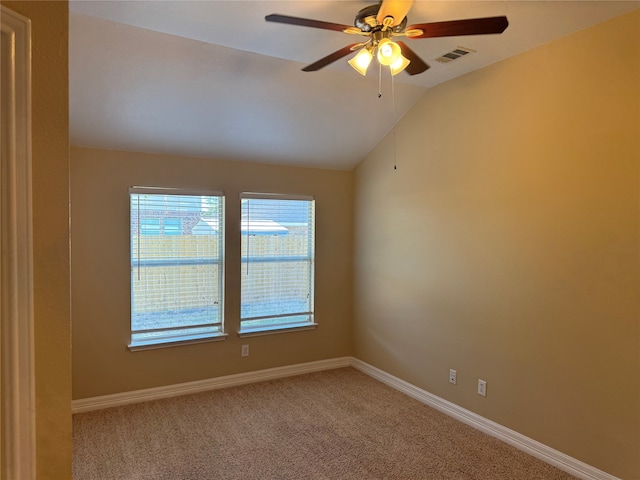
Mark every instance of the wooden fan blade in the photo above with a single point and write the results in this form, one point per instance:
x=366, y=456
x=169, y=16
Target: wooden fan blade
x=397, y=9
x=323, y=62
x=417, y=65
x=453, y=28
x=305, y=22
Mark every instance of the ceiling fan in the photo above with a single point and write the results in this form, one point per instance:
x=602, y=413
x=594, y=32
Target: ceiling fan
x=383, y=21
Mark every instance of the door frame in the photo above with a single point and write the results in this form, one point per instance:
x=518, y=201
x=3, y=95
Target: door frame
x=17, y=374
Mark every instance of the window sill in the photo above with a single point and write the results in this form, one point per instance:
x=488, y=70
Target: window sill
x=176, y=341
x=255, y=332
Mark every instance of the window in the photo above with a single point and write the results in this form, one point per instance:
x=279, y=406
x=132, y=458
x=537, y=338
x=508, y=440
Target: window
x=176, y=266
x=277, y=262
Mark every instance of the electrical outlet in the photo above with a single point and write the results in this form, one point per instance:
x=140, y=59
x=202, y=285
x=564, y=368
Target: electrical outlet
x=482, y=388
x=452, y=376
x=245, y=350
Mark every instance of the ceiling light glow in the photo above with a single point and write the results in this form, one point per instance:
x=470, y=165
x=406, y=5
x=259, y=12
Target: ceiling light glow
x=399, y=65
x=360, y=62
x=388, y=52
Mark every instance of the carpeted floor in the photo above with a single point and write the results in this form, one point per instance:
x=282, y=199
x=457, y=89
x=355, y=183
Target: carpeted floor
x=337, y=424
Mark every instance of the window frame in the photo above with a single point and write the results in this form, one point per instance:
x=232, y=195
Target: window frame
x=185, y=338
x=283, y=327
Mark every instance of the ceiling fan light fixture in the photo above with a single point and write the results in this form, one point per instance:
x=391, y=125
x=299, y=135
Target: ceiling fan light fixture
x=380, y=23
x=360, y=62
x=388, y=52
x=399, y=65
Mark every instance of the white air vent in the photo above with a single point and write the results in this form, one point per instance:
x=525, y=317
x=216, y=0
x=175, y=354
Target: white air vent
x=454, y=54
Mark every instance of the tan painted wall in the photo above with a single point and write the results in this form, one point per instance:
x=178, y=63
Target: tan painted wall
x=101, y=280
x=50, y=170
x=506, y=245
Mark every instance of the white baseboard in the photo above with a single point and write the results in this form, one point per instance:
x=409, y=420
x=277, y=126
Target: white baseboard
x=532, y=447
x=156, y=393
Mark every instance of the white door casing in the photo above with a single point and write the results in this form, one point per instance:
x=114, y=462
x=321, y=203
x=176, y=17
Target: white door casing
x=17, y=425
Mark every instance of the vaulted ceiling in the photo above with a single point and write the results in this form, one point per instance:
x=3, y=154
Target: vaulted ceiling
x=213, y=79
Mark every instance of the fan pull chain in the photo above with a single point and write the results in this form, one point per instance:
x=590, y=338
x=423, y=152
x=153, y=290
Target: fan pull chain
x=393, y=112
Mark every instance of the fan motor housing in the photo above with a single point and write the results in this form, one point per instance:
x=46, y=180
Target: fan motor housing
x=366, y=20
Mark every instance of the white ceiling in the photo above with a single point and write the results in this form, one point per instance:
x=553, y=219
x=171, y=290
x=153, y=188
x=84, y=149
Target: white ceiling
x=213, y=79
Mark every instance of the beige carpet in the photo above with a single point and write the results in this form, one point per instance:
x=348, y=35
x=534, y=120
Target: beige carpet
x=338, y=424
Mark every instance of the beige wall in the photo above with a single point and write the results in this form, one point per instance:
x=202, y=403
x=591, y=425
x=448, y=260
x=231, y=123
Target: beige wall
x=506, y=245
x=50, y=170
x=102, y=364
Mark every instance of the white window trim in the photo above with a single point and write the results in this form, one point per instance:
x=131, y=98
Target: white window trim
x=177, y=342
x=138, y=190
x=180, y=340
x=277, y=329
x=276, y=196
